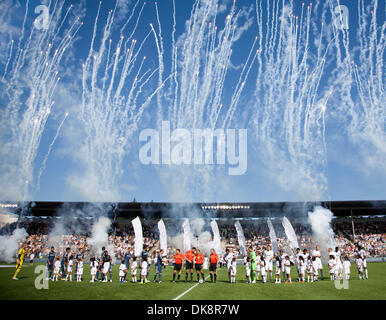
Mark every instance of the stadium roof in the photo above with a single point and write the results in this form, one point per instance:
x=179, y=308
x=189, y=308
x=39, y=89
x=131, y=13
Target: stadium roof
x=180, y=210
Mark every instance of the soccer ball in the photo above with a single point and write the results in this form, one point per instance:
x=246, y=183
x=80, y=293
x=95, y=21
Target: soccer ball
x=200, y=281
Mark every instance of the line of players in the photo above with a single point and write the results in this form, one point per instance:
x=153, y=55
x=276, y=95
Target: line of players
x=310, y=265
x=256, y=263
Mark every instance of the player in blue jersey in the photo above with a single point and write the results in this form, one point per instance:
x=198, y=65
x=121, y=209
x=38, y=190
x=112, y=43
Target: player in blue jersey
x=50, y=263
x=79, y=257
x=64, y=262
x=127, y=259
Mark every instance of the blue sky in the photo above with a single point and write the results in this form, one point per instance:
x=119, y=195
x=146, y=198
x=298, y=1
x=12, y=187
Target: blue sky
x=351, y=171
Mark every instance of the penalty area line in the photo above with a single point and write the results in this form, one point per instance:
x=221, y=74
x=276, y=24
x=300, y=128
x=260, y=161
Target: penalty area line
x=191, y=288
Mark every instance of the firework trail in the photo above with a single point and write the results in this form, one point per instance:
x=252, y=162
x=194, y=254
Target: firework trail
x=30, y=76
x=290, y=103
x=114, y=79
x=199, y=71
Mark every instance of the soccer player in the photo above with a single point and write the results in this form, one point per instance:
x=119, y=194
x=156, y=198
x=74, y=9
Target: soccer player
x=158, y=266
x=100, y=265
x=134, y=266
x=248, y=269
x=331, y=267
x=79, y=270
x=144, y=257
x=69, y=267
x=50, y=263
x=263, y=269
x=319, y=266
x=79, y=256
x=106, y=266
x=122, y=271
x=282, y=260
x=297, y=254
x=252, y=259
x=127, y=258
x=199, y=260
x=144, y=265
x=94, y=265
x=233, y=268
x=57, y=266
x=347, y=267
x=339, y=264
x=189, y=263
x=359, y=263
x=310, y=269
x=64, y=262
x=363, y=255
x=268, y=256
x=277, y=269
x=178, y=259
x=302, y=268
x=228, y=258
x=213, y=263
x=287, y=265
x=20, y=260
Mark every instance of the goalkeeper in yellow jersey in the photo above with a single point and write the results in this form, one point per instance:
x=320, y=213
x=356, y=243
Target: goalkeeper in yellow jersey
x=20, y=260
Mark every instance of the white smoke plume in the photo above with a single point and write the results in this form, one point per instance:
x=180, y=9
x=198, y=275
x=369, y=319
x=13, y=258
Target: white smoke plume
x=320, y=221
x=10, y=244
x=99, y=235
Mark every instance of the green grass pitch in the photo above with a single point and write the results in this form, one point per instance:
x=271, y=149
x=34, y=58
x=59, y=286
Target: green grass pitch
x=373, y=288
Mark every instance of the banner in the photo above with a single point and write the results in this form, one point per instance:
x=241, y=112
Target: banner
x=163, y=237
x=216, y=237
x=272, y=235
x=290, y=233
x=241, y=238
x=138, y=236
x=187, y=235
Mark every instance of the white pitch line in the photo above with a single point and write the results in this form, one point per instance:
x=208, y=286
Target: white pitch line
x=185, y=292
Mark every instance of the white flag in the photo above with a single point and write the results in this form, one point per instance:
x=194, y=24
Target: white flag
x=187, y=235
x=138, y=236
x=163, y=236
x=241, y=238
x=216, y=237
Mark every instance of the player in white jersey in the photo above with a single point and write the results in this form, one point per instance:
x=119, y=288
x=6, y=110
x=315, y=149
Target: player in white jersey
x=69, y=268
x=297, y=255
x=122, y=271
x=331, y=266
x=363, y=255
x=359, y=263
x=93, y=268
x=287, y=268
x=228, y=258
x=247, y=269
x=263, y=270
x=79, y=270
x=134, y=266
x=302, y=268
x=347, y=267
x=268, y=256
x=310, y=269
x=233, y=268
x=144, y=265
x=56, y=268
x=277, y=269
x=258, y=266
x=282, y=260
x=315, y=268
x=318, y=261
x=339, y=264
